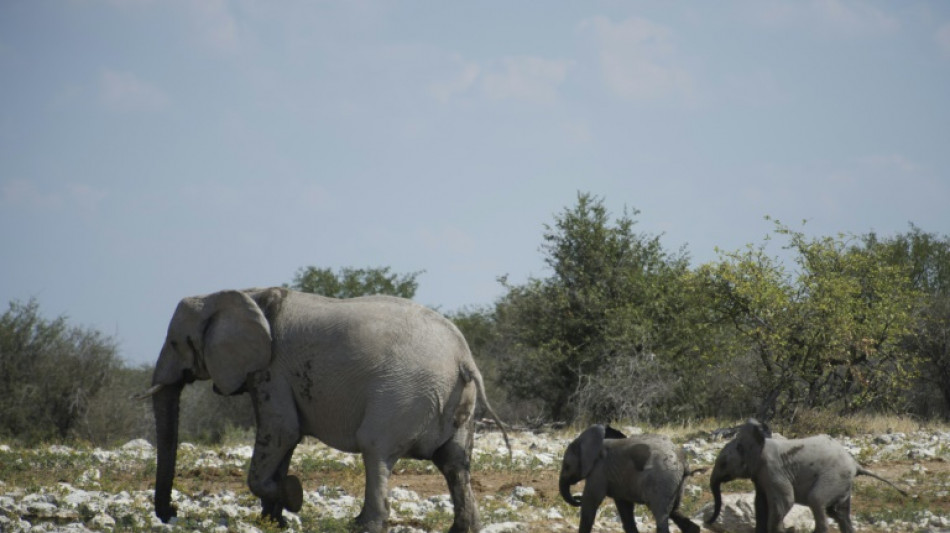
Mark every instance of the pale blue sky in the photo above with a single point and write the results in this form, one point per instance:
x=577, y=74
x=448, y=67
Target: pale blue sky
x=151, y=150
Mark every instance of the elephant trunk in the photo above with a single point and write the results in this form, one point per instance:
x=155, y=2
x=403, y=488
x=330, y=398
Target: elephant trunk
x=165, y=403
x=565, y=486
x=715, y=483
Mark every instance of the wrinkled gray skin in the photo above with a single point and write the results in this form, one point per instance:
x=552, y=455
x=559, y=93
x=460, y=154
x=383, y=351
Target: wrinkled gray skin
x=815, y=471
x=647, y=469
x=379, y=376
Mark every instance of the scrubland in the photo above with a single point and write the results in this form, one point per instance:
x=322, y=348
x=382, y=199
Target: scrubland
x=83, y=488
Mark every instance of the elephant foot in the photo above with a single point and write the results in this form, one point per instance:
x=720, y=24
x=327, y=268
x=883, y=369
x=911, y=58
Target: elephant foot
x=291, y=494
x=166, y=513
x=363, y=525
x=273, y=511
x=685, y=524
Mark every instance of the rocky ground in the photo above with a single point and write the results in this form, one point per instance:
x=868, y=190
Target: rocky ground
x=58, y=488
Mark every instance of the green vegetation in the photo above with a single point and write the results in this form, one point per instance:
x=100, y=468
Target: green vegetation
x=625, y=330
x=353, y=282
x=812, y=330
x=827, y=334
x=50, y=374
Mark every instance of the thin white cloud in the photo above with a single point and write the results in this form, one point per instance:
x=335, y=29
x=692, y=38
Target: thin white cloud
x=447, y=239
x=942, y=38
x=843, y=195
x=756, y=89
x=837, y=17
x=854, y=17
x=460, y=81
x=530, y=79
x=890, y=164
x=23, y=194
x=85, y=197
x=638, y=58
x=124, y=91
x=522, y=78
x=211, y=21
x=214, y=24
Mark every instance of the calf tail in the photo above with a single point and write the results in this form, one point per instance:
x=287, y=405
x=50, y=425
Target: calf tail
x=865, y=472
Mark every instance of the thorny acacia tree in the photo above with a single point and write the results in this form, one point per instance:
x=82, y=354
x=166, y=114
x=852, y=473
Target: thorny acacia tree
x=926, y=257
x=613, y=293
x=828, y=334
x=352, y=282
x=49, y=372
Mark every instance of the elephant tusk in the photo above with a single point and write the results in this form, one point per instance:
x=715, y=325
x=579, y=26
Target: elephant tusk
x=150, y=392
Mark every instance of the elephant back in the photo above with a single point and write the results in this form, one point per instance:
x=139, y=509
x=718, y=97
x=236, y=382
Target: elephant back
x=647, y=466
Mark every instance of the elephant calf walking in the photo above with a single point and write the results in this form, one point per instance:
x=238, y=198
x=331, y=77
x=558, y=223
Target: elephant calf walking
x=815, y=471
x=647, y=469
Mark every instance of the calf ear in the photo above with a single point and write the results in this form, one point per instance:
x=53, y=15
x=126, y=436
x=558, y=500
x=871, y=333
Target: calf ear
x=760, y=433
x=590, y=444
x=613, y=433
x=640, y=454
x=759, y=430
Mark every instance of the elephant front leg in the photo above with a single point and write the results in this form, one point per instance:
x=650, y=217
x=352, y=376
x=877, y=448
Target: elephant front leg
x=595, y=490
x=761, y=510
x=627, y=518
x=291, y=492
x=780, y=500
x=278, y=432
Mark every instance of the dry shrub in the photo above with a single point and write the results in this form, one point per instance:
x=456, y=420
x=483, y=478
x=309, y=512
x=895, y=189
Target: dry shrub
x=814, y=422
x=625, y=388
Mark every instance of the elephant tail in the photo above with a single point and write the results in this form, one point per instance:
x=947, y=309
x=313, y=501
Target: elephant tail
x=674, y=503
x=471, y=373
x=865, y=472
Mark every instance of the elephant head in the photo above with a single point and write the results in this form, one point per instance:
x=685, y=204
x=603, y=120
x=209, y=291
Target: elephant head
x=579, y=459
x=223, y=337
x=737, y=460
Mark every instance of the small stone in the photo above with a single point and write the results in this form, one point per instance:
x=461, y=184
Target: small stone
x=102, y=521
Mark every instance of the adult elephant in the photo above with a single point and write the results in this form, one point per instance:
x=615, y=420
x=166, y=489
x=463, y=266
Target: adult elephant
x=380, y=376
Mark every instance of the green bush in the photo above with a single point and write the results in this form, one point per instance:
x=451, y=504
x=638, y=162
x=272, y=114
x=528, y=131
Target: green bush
x=49, y=374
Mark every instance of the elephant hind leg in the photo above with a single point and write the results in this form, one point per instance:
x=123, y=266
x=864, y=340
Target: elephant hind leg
x=840, y=511
x=821, y=519
x=685, y=524
x=379, y=458
x=376, y=502
x=454, y=460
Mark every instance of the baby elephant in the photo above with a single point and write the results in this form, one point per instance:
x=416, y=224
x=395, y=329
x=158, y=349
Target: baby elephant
x=815, y=471
x=646, y=469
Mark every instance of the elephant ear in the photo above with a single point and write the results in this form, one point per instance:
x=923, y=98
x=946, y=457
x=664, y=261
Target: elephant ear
x=614, y=433
x=640, y=454
x=237, y=340
x=759, y=431
x=590, y=444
